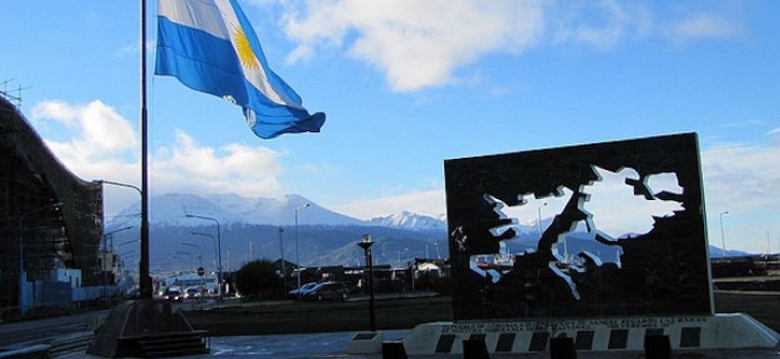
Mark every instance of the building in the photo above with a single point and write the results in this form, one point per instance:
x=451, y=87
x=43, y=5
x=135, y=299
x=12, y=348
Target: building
x=50, y=237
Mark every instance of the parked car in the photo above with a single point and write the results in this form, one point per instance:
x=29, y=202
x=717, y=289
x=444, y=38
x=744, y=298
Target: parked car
x=327, y=291
x=304, y=288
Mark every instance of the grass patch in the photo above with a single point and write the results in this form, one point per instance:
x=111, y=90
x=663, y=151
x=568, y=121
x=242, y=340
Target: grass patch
x=313, y=317
x=764, y=307
x=307, y=317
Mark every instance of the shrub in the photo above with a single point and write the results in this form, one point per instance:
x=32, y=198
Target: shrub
x=258, y=279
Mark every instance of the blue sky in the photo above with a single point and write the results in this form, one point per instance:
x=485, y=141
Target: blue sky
x=406, y=85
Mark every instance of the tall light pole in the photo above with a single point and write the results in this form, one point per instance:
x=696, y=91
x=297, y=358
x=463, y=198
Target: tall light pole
x=539, y=218
x=106, y=236
x=297, y=252
x=722, y=238
x=284, y=269
x=145, y=280
x=21, y=251
x=366, y=245
x=219, y=251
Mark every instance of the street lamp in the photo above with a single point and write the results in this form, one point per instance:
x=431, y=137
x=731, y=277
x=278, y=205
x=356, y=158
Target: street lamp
x=106, y=236
x=722, y=238
x=297, y=257
x=539, y=218
x=21, y=251
x=219, y=251
x=284, y=270
x=366, y=245
x=217, y=255
x=146, y=278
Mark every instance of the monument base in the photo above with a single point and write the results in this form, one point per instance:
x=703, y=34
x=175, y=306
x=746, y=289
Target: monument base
x=133, y=325
x=721, y=331
x=366, y=343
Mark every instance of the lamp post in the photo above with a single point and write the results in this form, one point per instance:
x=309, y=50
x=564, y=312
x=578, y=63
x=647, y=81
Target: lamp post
x=297, y=252
x=722, y=237
x=539, y=218
x=146, y=278
x=124, y=256
x=21, y=251
x=219, y=251
x=214, y=241
x=366, y=245
x=284, y=269
x=106, y=236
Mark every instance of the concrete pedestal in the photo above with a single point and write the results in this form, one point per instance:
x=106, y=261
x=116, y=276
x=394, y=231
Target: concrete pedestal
x=366, y=343
x=721, y=331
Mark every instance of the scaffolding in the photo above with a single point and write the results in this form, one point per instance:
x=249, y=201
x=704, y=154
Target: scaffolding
x=31, y=181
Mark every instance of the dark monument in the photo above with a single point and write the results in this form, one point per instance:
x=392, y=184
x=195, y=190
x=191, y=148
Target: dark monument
x=618, y=261
x=585, y=259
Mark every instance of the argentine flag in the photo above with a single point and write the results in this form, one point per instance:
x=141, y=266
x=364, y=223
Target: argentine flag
x=210, y=46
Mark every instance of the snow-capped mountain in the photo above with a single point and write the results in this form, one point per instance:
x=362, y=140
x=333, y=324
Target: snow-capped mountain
x=172, y=209
x=408, y=220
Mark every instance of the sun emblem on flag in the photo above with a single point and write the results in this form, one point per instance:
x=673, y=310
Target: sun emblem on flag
x=245, y=53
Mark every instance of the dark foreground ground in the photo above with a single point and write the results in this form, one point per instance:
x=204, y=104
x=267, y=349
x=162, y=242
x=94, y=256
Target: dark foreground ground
x=294, y=317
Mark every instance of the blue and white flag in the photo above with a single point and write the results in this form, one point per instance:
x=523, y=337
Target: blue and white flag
x=210, y=46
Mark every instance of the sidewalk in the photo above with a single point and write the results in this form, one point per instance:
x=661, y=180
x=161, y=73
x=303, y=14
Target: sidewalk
x=334, y=345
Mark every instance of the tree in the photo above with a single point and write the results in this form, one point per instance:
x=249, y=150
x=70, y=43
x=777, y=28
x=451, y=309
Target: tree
x=258, y=279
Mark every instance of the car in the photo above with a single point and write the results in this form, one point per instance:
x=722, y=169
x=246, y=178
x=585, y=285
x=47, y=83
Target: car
x=304, y=288
x=327, y=291
x=173, y=295
x=192, y=293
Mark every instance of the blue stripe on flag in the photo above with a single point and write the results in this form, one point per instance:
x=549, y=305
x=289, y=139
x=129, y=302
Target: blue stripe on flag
x=209, y=67
x=209, y=64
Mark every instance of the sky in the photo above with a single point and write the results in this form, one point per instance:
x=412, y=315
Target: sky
x=407, y=84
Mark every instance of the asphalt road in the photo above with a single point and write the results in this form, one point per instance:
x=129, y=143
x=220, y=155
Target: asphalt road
x=42, y=330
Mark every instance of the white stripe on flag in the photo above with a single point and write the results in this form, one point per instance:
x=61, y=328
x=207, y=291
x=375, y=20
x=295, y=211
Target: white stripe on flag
x=198, y=14
x=257, y=77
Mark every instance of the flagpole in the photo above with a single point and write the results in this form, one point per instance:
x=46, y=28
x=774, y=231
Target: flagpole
x=145, y=278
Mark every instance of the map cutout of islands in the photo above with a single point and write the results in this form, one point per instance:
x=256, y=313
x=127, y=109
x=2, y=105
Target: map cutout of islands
x=617, y=206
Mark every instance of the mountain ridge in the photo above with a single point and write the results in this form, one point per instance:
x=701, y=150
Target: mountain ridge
x=228, y=208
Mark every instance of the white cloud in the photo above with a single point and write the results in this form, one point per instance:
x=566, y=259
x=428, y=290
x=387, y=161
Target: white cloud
x=98, y=131
x=430, y=203
x=424, y=44
x=704, y=26
x=191, y=167
x=775, y=131
x=103, y=145
x=602, y=24
x=416, y=44
x=135, y=49
x=741, y=177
